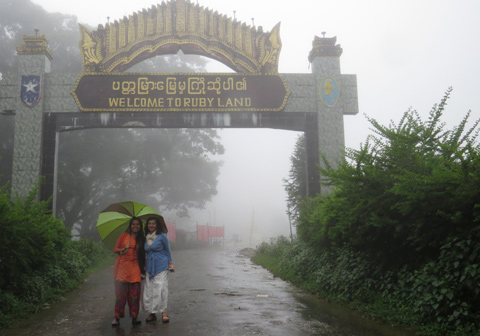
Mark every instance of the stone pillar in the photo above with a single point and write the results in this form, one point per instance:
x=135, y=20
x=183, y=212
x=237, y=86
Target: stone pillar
x=336, y=95
x=34, y=62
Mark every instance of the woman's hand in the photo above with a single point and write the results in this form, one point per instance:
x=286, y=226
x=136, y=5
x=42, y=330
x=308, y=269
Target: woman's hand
x=170, y=267
x=122, y=251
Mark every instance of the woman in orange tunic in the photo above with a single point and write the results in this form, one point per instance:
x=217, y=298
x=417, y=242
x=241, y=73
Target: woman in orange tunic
x=128, y=270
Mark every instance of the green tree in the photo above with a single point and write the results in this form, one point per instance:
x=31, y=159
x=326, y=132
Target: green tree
x=296, y=183
x=410, y=189
x=168, y=169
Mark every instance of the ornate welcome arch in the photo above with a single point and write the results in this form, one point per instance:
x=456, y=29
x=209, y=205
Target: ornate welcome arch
x=180, y=25
x=256, y=97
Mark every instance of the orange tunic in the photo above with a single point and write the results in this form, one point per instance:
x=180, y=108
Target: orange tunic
x=126, y=266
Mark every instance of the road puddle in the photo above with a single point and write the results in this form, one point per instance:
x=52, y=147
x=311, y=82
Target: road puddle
x=344, y=321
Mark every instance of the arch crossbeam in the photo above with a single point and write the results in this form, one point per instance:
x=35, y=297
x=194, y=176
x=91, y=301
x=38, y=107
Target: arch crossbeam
x=63, y=122
x=180, y=25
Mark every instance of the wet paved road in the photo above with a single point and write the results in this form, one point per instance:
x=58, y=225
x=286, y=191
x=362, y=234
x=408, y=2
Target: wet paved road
x=211, y=293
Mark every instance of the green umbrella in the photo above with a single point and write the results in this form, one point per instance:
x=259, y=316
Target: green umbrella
x=114, y=219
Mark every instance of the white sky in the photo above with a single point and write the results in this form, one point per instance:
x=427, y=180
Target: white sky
x=404, y=53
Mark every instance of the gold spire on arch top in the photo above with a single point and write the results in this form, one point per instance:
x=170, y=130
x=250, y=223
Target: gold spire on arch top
x=180, y=25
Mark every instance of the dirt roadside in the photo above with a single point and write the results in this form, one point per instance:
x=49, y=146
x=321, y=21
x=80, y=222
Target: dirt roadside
x=82, y=309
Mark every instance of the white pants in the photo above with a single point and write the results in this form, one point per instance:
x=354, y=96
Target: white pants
x=155, y=293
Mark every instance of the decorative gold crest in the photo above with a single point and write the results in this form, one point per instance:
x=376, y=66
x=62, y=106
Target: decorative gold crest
x=91, y=56
x=180, y=25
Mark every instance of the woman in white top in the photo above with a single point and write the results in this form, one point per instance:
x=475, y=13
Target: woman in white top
x=158, y=265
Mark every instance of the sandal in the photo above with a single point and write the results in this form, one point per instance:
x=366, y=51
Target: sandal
x=151, y=318
x=165, y=318
x=115, y=322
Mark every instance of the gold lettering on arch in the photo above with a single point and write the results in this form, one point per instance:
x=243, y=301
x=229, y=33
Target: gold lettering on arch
x=163, y=92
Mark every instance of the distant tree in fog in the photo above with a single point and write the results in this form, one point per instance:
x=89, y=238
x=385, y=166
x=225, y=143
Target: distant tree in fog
x=169, y=169
x=22, y=17
x=296, y=183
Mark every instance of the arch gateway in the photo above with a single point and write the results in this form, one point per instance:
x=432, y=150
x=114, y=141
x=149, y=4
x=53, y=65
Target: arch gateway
x=45, y=103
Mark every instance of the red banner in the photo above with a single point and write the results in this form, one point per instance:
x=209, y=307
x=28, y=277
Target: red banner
x=172, y=231
x=216, y=231
x=202, y=233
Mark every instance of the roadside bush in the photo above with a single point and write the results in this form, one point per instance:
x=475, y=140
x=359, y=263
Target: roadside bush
x=34, y=289
x=440, y=298
x=446, y=291
x=31, y=238
x=398, y=236
x=275, y=248
x=11, y=308
x=94, y=253
x=38, y=262
x=298, y=260
x=410, y=189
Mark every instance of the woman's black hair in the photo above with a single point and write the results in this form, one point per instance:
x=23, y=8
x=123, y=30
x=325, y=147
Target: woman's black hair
x=139, y=243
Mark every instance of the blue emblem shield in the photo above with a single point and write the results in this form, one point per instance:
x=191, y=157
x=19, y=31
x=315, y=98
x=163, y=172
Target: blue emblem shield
x=30, y=90
x=329, y=91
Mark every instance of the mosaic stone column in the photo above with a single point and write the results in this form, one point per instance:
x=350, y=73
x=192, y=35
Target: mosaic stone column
x=34, y=62
x=336, y=96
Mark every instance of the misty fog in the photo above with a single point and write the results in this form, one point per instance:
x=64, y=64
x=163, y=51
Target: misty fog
x=251, y=200
x=398, y=66
x=250, y=188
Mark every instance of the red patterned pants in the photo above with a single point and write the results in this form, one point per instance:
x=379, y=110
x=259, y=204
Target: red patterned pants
x=127, y=292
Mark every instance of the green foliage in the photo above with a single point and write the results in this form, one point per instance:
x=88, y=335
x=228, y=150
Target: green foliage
x=276, y=247
x=30, y=238
x=38, y=262
x=272, y=255
x=447, y=290
x=439, y=299
x=268, y=262
x=342, y=273
x=174, y=170
x=406, y=192
x=46, y=284
x=94, y=253
x=296, y=184
x=398, y=236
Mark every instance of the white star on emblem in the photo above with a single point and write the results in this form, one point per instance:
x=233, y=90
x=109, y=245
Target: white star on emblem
x=30, y=86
